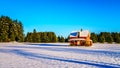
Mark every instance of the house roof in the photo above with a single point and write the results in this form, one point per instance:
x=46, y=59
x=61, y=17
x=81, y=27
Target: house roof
x=84, y=33
x=80, y=33
x=74, y=34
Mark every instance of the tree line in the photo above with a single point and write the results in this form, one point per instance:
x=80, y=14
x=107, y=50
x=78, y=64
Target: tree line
x=40, y=37
x=10, y=30
x=44, y=37
x=108, y=37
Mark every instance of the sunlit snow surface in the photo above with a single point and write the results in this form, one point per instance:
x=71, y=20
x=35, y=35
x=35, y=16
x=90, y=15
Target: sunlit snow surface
x=59, y=55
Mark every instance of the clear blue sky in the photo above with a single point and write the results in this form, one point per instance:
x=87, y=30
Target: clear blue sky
x=64, y=16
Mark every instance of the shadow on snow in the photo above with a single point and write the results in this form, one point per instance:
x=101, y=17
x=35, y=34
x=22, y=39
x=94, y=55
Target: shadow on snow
x=38, y=56
x=47, y=44
x=74, y=50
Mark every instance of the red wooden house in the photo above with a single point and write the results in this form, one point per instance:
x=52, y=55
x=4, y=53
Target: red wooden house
x=80, y=38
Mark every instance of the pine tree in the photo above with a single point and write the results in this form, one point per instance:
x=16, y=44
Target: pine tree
x=45, y=37
x=118, y=40
x=58, y=38
x=29, y=37
x=66, y=39
x=38, y=40
x=34, y=37
x=62, y=39
x=101, y=39
x=5, y=21
x=94, y=37
x=21, y=35
x=10, y=30
x=109, y=39
x=54, y=37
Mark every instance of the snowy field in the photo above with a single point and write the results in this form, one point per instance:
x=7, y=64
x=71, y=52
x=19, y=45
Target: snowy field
x=59, y=55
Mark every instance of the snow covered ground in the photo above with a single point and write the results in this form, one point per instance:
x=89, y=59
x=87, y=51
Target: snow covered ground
x=59, y=55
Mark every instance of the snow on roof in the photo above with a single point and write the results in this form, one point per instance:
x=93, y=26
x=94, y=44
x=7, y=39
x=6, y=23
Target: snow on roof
x=73, y=34
x=84, y=33
x=74, y=31
x=81, y=33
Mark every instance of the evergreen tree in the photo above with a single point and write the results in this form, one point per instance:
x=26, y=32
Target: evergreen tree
x=94, y=37
x=29, y=37
x=54, y=37
x=62, y=39
x=113, y=36
x=101, y=39
x=118, y=40
x=38, y=38
x=66, y=39
x=21, y=35
x=109, y=39
x=4, y=28
x=59, y=39
x=45, y=37
x=116, y=37
x=34, y=37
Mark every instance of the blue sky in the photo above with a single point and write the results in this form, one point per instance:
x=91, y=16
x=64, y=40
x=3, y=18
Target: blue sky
x=64, y=16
